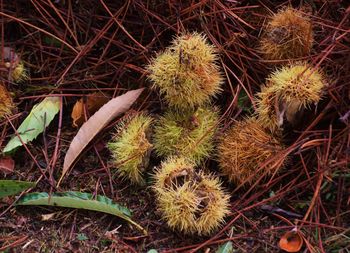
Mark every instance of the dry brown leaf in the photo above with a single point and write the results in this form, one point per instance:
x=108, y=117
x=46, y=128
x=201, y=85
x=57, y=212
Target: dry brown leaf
x=7, y=165
x=291, y=241
x=49, y=216
x=95, y=124
x=94, y=102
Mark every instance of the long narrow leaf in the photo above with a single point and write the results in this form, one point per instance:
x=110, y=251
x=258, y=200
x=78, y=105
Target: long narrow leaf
x=12, y=187
x=38, y=119
x=79, y=200
x=95, y=124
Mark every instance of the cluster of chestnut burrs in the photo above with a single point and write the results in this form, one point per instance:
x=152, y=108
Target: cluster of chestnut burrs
x=188, y=76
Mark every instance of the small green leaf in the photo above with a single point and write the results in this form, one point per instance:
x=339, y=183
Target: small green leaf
x=244, y=102
x=35, y=123
x=79, y=200
x=53, y=42
x=152, y=251
x=12, y=187
x=82, y=237
x=225, y=248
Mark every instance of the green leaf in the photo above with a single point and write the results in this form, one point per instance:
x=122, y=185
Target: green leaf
x=82, y=237
x=244, y=102
x=79, y=200
x=12, y=187
x=152, y=251
x=51, y=41
x=35, y=123
x=225, y=248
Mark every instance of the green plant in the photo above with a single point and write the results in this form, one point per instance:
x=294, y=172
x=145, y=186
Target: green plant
x=35, y=123
x=131, y=148
x=79, y=200
x=186, y=73
x=12, y=187
x=189, y=133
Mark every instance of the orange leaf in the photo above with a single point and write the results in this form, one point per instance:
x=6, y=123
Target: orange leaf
x=7, y=165
x=291, y=241
x=93, y=102
x=95, y=124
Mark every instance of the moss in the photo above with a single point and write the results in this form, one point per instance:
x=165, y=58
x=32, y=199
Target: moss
x=131, y=148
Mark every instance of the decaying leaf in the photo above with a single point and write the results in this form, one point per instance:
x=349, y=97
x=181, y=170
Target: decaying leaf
x=95, y=124
x=79, y=200
x=291, y=241
x=7, y=165
x=49, y=216
x=38, y=119
x=93, y=102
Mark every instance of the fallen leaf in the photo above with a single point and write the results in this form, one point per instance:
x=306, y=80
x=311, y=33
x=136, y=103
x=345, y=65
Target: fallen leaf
x=12, y=187
x=38, y=119
x=95, y=124
x=291, y=241
x=94, y=102
x=79, y=200
x=7, y=165
x=225, y=248
x=152, y=251
x=49, y=216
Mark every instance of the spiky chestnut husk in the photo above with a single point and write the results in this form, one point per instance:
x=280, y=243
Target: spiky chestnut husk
x=244, y=148
x=174, y=172
x=178, y=207
x=197, y=204
x=131, y=148
x=289, y=90
x=187, y=73
x=186, y=133
x=19, y=73
x=6, y=103
x=287, y=35
x=214, y=205
x=14, y=65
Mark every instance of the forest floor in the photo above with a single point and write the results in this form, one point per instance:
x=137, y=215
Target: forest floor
x=74, y=48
